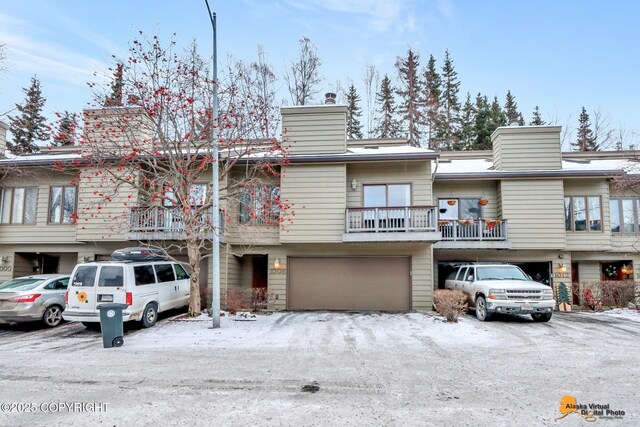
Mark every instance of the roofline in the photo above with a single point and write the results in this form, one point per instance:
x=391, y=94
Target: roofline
x=342, y=158
x=531, y=174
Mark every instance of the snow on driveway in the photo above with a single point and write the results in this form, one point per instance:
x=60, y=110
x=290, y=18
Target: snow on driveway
x=371, y=369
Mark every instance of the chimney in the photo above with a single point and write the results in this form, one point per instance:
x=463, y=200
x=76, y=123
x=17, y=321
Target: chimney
x=329, y=98
x=3, y=139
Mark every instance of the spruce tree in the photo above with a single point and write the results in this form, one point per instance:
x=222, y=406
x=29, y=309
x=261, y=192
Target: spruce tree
x=117, y=86
x=66, y=132
x=498, y=116
x=483, y=123
x=433, y=91
x=411, y=109
x=536, y=119
x=449, y=127
x=354, y=127
x=30, y=126
x=467, y=135
x=585, y=141
x=511, y=110
x=521, y=121
x=388, y=125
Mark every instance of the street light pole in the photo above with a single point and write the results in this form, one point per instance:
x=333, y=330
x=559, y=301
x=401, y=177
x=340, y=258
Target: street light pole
x=215, y=211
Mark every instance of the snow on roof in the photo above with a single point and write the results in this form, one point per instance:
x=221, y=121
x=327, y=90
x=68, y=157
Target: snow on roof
x=393, y=149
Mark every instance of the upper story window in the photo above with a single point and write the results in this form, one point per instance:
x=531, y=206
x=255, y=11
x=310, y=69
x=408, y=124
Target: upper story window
x=260, y=204
x=582, y=213
x=383, y=195
x=197, y=196
x=18, y=205
x=62, y=205
x=624, y=215
x=462, y=208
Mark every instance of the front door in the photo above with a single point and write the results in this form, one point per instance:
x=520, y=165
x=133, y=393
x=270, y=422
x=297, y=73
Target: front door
x=575, y=284
x=259, y=282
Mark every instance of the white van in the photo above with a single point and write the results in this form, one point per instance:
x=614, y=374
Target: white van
x=147, y=287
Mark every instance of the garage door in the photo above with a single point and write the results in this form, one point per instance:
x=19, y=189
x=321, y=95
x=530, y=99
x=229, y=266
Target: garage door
x=349, y=283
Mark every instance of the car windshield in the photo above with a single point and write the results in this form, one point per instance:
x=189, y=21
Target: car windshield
x=25, y=284
x=507, y=272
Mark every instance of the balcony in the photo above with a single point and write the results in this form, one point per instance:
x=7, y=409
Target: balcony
x=473, y=234
x=391, y=224
x=162, y=223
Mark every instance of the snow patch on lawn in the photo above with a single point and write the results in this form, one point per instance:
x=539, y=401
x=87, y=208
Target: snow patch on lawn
x=621, y=313
x=317, y=330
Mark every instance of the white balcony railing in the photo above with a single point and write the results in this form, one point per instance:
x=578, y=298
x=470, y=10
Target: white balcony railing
x=473, y=229
x=167, y=220
x=391, y=219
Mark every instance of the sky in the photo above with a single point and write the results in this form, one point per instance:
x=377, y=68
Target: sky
x=559, y=55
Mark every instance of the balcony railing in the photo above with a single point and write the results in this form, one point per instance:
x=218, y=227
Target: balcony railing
x=158, y=220
x=473, y=229
x=391, y=219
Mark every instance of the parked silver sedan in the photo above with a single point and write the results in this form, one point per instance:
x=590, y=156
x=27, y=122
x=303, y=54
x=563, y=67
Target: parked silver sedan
x=33, y=298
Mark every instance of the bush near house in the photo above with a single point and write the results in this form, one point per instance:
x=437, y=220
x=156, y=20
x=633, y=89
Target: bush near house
x=608, y=294
x=254, y=300
x=451, y=304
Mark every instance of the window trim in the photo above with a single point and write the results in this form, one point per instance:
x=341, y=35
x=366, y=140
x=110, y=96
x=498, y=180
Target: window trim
x=587, y=209
x=386, y=192
x=24, y=205
x=636, y=215
x=75, y=205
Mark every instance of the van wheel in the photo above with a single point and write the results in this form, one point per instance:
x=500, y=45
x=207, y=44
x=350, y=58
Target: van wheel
x=481, y=309
x=150, y=315
x=52, y=316
x=93, y=326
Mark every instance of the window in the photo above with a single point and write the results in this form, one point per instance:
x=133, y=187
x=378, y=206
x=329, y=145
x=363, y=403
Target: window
x=469, y=276
x=164, y=273
x=18, y=205
x=62, y=205
x=144, y=275
x=85, y=276
x=624, y=215
x=197, y=196
x=181, y=274
x=260, y=205
x=582, y=213
x=383, y=195
x=462, y=208
x=111, y=276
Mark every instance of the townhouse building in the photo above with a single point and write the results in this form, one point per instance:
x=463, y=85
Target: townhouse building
x=378, y=224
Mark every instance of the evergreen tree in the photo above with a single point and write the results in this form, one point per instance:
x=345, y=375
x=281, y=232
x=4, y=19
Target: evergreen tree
x=66, y=132
x=388, y=125
x=117, y=86
x=586, y=141
x=536, y=119
x=521, y=121
x=354, y=128
x=411, y=93
x=448, y=129
x=483, y=124
x=498, y=116
x=511, y=110
x=467, y=134
x=433, y=91
x=30, y=126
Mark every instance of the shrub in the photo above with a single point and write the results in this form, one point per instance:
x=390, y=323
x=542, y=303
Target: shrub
x=450, y=304
x=255, y=299
x=611, y=294
x=235, y=298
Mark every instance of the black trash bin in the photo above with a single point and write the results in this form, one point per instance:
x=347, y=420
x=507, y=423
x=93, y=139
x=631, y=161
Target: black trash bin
x=111, y=324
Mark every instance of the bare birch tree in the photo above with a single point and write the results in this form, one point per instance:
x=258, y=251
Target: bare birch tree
x=303, y=76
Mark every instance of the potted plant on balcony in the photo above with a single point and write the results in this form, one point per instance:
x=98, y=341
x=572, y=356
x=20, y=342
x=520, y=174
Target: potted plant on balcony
x=483, y=202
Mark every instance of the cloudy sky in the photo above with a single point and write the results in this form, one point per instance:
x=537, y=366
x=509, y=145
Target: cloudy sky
x=560, y=55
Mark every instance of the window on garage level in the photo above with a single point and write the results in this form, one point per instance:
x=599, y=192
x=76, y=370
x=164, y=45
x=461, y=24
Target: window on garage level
x=582, y=213
x=18, y=205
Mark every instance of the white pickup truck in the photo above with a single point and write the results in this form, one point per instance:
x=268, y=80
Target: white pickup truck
x=502, y=288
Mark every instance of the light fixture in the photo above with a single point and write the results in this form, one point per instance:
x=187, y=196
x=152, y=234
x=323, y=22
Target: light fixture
x=626, y=269
x=354, y=184
x=4, y=259
x=562, y=268
x=276, y=264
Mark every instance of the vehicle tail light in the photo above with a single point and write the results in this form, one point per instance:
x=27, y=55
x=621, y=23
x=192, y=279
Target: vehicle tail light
x=66, y=297
x=129, y=298
x=25, y=298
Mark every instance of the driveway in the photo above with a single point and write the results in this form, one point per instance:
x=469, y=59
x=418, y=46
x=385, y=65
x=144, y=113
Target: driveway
x=371, y=369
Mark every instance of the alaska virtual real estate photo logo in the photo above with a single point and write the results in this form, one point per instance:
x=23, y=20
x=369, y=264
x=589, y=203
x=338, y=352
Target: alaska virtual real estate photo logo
x=590, y=411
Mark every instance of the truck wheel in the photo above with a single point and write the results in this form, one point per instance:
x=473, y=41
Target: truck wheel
x=149, y=315
x=541, y=317
x=481, y=309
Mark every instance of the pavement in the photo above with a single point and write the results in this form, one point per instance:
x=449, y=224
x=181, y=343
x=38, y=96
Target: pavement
x=324, y=369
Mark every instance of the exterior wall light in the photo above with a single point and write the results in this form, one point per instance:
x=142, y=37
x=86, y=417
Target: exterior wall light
x=562, y=268
x=354, y=184
x=276, y=264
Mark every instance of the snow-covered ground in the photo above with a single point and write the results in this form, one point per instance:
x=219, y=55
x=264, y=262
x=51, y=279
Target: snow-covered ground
x=371, y=369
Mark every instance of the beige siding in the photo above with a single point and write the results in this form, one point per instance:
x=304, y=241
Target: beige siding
x=534, y=210
x=586, y=241
x=230, y=271
x=67, y=263
x=527, y=148
x=103, y=213
x=117, y=131
x=22, y=265
x=314, y=129
x=41, y=231
x=317, y=194
x=415, y=173
x=469, y=189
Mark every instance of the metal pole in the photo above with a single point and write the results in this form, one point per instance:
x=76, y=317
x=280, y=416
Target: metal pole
x=215, y=216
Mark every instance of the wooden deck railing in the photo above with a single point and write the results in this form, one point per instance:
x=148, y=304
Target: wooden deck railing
x=390, y=219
